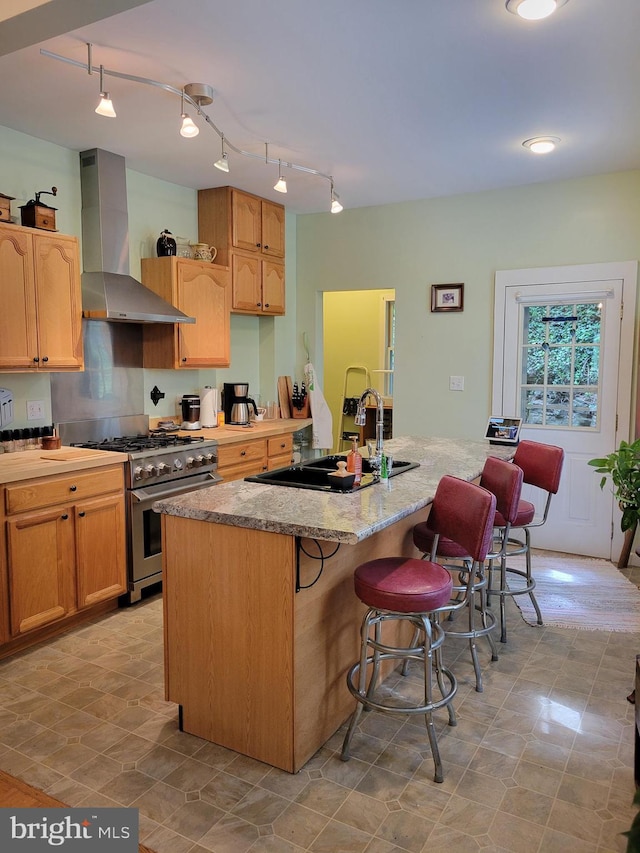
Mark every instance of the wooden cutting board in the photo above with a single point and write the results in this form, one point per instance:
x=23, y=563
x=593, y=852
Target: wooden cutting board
x=283, y=396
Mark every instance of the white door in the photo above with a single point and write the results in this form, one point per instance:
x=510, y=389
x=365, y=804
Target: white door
x=563, y=362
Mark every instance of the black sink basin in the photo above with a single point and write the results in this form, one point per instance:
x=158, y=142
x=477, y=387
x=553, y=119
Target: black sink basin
x=313, y=475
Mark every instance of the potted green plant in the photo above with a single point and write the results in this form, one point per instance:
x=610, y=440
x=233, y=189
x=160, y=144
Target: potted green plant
x=623, y=466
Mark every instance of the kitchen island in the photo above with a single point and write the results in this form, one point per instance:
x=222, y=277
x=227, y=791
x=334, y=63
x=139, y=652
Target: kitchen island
x=261, y=620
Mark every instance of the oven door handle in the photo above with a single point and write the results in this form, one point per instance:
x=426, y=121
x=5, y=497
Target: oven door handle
x=141, y=495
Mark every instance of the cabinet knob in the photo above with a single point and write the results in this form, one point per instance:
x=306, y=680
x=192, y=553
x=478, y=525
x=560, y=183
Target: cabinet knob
x=243, y=453
x=73, y=488
x=65, y=517
x=257, y=245
x=265, y=246
x=36, y=359
x=266, y=304
x=46, y=358
x=82, y=514
x=258, y=304
x=184, y=358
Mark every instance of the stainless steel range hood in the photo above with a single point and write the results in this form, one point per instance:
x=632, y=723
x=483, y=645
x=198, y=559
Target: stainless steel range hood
x=108, y=291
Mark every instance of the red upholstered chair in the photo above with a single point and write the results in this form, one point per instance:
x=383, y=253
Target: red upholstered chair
x=415, y=591
x=541, y=467
x=503, y=480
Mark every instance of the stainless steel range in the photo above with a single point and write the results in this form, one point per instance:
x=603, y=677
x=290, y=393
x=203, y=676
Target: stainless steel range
x=160, y=465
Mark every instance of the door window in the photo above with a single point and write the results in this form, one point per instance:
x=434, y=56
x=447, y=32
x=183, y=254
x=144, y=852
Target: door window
x=560, y=365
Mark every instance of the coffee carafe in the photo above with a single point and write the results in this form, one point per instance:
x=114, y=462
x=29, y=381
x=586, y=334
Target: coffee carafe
x=236, y=403
x=190, y=411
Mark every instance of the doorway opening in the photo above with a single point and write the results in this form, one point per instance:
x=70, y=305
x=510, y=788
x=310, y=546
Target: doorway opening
x=358, y=329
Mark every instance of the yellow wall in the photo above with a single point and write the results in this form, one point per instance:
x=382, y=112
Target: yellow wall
x=354, y=324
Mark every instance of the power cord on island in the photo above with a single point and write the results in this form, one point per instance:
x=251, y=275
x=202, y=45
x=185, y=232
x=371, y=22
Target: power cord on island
x=321, y=557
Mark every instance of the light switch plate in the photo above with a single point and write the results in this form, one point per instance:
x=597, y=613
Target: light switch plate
x=456, y=383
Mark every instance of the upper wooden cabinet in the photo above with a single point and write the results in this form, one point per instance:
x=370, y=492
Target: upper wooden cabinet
x=201, y=290
x=248, y=232
x=41, y=317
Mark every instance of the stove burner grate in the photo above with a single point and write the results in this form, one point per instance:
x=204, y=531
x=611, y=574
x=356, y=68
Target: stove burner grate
x=135, y=443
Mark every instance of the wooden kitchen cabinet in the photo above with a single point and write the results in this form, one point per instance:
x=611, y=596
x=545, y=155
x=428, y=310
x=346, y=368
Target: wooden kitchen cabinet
x=41, y=318
x=236, y=461
x=201, y=290
x=248, y=233
x=65, y=546
x=258, y=285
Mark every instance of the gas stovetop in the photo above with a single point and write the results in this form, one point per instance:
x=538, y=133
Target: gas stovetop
x=160, y=458
x=137, y=443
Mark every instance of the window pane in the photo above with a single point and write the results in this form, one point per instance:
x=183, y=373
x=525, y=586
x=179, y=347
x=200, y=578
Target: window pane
x=534, y=329
x=534, y=374
x=587, y=368
x=532, y=406
x=559, y=370
x=588, y=326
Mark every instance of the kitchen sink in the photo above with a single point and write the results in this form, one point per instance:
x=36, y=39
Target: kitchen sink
x=313, y=474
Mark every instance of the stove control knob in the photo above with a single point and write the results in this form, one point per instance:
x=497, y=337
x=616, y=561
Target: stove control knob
x=200, y=460
x=137, y=472
x=209, y=458
x=163, y=468
x=191, y=462
x=150, y=470
x=177, y=464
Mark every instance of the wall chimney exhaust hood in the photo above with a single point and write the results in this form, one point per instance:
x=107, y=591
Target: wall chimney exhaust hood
x=108, y=291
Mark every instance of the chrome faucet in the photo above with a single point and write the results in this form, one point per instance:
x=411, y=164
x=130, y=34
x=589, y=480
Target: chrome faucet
x=361, y=417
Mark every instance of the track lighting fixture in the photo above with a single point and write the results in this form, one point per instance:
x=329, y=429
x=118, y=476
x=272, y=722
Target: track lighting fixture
x=199, y=95
x=541, y=144
x=188, y=129
x=281, y=184
x=336, y=207
x=105, y=107
x=534, y=10
x=223, y=162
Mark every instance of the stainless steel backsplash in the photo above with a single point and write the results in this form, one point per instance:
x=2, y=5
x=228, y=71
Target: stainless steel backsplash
x=112, y=384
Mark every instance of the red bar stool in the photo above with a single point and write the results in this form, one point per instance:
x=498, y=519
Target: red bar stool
x=503, y=480
x=415, y=591
x=541, y=467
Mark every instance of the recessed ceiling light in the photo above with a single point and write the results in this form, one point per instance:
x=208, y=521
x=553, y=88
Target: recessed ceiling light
x=541, y=144
x=534, y=10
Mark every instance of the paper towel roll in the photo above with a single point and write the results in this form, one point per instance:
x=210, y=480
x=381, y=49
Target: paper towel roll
x=209, y=407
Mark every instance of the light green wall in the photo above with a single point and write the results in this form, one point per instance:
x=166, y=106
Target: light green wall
x=353, y=324
x=466, y=239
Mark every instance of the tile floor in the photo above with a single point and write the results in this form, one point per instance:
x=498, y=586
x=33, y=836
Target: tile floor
x=541, y=761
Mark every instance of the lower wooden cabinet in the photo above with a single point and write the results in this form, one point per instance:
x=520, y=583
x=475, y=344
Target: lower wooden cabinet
x=64, y=546
x=236, y=461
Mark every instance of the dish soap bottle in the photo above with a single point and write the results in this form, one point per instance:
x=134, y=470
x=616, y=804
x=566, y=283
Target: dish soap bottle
x=354, y=461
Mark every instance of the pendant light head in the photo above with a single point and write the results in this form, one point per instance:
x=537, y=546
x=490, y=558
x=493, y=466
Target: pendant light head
x=541, y=144
x=534, y=10
x=336, y=207
x=105, y=107
x=188, y=129
x=281, y=184
x=223, y=162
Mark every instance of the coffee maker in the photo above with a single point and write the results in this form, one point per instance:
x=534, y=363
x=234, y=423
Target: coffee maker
x=190, y=411
x=236, y=403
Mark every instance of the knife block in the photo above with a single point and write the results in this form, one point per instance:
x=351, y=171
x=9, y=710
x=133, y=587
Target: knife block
x=303, y=412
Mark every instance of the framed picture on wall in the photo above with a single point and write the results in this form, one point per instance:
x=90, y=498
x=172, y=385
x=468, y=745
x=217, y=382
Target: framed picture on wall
x=447, y=297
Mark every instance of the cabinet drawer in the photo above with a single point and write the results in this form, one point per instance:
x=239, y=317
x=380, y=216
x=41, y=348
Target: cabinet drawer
x=280, y=445
x=47, y=491
x=245, y=469
x=234, y=454
x=279, y=462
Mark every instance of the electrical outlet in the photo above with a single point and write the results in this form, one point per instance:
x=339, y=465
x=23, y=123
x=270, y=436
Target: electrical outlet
x=35, y=410
x=456, y=383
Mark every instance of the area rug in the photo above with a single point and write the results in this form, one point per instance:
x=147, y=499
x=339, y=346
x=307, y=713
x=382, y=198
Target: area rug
x=579, y=592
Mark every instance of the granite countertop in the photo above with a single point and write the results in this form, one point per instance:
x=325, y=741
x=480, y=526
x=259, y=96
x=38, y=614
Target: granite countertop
x=236, y=434
x=28, y=464
x=335, y=516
